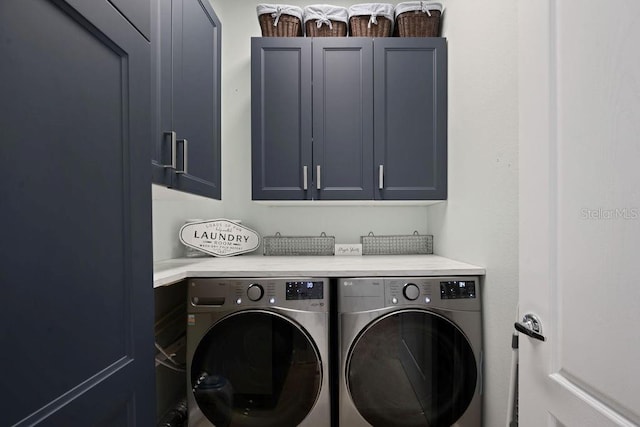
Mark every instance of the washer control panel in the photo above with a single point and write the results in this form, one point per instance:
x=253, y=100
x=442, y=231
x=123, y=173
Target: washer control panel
x=458, y=289
x=306, y=289
x=296, y=293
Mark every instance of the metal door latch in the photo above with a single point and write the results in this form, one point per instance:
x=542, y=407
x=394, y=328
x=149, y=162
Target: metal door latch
x=531, y=326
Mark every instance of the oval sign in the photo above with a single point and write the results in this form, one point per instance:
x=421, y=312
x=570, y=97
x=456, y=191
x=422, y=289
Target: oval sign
x=219, y=237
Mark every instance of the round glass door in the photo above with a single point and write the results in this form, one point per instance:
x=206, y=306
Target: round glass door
x=411, y=368
x=256, y=369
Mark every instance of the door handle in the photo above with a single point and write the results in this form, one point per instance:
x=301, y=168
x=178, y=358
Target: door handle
x=381, y=177
x=531, y=326
x=185, y=155
x=305, y=181
x=172, y=136
x=318, y=184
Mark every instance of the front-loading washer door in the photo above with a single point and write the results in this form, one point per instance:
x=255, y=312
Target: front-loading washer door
x=411, y=368
x=256, y=368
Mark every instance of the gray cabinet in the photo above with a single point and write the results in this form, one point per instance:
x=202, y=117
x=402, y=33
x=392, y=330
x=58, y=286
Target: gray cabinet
x=76, y=253
x=410, y=118
x=187, y=97
x=312, y=141
x=281, y=148
x=349, y=119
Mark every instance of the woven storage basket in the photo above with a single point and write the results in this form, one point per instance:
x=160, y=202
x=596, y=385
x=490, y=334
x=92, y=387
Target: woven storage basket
x=418, y=19
x=325, y=21
x=371, y=20
x=280, y=20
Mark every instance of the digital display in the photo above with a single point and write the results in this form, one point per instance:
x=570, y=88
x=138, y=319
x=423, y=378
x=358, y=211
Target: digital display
x=457, y=289
x=304, y=290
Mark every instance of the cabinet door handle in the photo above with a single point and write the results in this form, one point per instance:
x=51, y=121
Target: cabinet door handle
x=318, y=184
x=185, y=155
x=381, y=177
x=305, y=183
x=174, y=144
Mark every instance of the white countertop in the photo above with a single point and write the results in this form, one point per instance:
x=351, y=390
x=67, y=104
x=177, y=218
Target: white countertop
x=174, y=270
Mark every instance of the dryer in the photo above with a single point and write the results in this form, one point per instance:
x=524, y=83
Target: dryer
x=410, y=352
x=257, y=352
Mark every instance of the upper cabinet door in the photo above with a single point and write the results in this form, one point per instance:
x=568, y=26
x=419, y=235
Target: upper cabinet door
x=187, y=155
x=411, y=118
x=343, y=118
x=281, y=119
x=76, y=264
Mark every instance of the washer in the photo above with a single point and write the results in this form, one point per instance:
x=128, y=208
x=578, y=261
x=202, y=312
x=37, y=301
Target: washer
x=257, y=352
x=410, y=352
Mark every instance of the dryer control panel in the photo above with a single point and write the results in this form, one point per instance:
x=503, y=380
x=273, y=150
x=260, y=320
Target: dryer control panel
x=448, y=293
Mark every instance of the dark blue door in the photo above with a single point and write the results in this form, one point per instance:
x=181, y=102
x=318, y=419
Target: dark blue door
x=75, y=259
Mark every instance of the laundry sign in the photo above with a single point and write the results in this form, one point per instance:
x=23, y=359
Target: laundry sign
x=219, y=237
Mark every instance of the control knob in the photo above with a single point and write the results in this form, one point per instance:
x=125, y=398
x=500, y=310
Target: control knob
x=255, y=292
x=411, y=291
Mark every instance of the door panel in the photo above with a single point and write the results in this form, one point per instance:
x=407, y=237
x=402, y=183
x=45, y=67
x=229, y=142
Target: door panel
x=281, y=118
x=579, y=121
x=196, y=49
x=411, y=118
x=343, y=118
x=76, y=213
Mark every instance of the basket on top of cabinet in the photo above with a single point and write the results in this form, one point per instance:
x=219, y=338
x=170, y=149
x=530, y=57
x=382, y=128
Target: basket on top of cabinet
x=280, y=20
x=418, y=19
x=371, y=20
x=323, y=20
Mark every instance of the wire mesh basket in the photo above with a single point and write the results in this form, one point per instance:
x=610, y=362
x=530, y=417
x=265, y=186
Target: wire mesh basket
x=410, y=244
x=279, y=245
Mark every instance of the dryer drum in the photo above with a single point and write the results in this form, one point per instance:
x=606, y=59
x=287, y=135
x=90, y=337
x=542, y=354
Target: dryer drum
x=256, y=368
x=411, y=368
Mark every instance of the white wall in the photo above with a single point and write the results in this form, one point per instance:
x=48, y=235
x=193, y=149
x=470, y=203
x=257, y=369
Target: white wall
x=477, y=224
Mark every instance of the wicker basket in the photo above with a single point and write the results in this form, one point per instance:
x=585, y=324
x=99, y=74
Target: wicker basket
x=371, y=20
x=421, y=19
x=280, y=20
x=325, y=21
x=337, y=29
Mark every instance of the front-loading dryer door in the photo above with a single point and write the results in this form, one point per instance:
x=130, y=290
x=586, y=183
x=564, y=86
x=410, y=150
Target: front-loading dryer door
x=411, y=368
x=256, y=368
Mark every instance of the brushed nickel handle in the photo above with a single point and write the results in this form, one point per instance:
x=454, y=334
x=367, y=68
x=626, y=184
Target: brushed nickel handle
x=531, y=326
x=305, y=181
x=185, y=155
x=318, y=184
x=174, y=144
x=381, y=177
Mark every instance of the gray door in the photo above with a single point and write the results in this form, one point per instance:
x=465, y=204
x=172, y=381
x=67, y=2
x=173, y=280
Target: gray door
x=343, y=118
x=410, y=118
x=75, y=264
x=281, y=119
x=188, y=49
